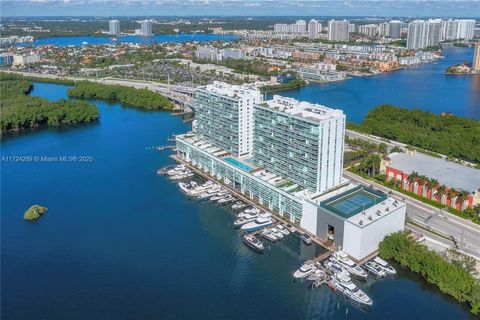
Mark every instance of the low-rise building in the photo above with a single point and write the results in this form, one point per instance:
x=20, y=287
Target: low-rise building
x=321, y=72
x=445, y=182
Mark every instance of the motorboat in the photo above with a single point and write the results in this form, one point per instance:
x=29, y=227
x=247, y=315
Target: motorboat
x=261, y=221
x=291, y=228
x=268, y=234
x=209, y=193
x=218, y=196
x=238, y=205
x=389, y=270
x=247, y=215
x=306, y=239
x=176, y=170
x=282, y=229
x=277, y=233
x=252, y=241
x=307, y=268
x=226, y=200
x=354, y=269
x=252, y=210
x=344, y=284
x=333, y=267
x=241, y=221
x=374, y=269
x=186, y=187
x=317, y=275
x=181, y=176
x=200, y=189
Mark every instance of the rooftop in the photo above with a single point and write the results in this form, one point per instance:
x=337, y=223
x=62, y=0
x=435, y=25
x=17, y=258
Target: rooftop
x=302, y=109
x=451, y=174
x=232, y=90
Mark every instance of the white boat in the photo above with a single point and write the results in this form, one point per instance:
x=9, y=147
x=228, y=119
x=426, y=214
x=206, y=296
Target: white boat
x=261, y=221
x=176, y=170
x=307, y=268
x=374, y=269
x=219, y=196
x=333, y=267
x=252, y=210
x=354, y=269
x=201, y=189
x=306, y=239
x=317, y=276
x=344, y=284
x=247, y=214
x=277, y=233
x=283, y=230
x=226, y=200
x=241, y=221
x=268, y=234
x=238, y=205
x=385, y=266
x=252, y=241
x=181, y=176
x=291, y=228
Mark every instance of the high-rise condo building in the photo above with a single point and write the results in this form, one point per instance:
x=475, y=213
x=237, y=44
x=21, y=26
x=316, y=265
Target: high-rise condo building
x=458, y=29
x=370, y=30
x=301, y=141
x=476, y=58
x=314, y=29
x=422, y=34
x=146, y=27
x=114, y=27
x=338, y=30
x=394, y=29
x=224, y=116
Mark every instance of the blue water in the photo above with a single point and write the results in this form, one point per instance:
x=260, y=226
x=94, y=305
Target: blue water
x=119, y=242
x=79, y=40
x=424, y=87
x=238, y=164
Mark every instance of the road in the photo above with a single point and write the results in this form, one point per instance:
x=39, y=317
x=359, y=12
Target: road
x=465, y=234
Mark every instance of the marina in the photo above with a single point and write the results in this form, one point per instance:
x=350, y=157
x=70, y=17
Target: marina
x=258, y=229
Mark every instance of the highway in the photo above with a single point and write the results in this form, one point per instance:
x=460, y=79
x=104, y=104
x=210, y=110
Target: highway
x=465, y=235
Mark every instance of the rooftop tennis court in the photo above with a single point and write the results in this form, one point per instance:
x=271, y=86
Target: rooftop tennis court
x=353, y=201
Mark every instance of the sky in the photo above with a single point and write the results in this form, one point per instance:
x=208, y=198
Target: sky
x=394, y=8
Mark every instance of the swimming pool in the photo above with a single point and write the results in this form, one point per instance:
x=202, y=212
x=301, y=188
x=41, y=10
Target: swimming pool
x=238, y=164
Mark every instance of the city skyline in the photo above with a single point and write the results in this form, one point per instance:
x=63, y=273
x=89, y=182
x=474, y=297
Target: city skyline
x=382, y=8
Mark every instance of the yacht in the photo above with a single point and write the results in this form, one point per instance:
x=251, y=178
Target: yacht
x=282, y=229
x=238, y=205
x=186, y=187
x=261, y=221
x=291, y=228
x=247, y=215
x=389, y=270
x=252, y=241
x=277, y=233
x=268, y=234
x=227, y=199
x=333, y=267
x=219, y=196
x=241, y=221
x=306, y=239
x=344, y=284
x=181, y=175
x=252, y=210
x=374, y=269
x=176, y=170
x=209, y=193
x=307, y=268
x=354, y=269
x=200, y=189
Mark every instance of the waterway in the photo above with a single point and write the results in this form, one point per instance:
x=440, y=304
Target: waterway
x=175, y=38
x=119, y=242
x=423, y=87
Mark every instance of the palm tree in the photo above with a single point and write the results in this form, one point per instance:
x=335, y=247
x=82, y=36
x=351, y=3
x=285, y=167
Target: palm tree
x=452, y=193
x=412, y=178
x=441, y=191
x=422, y=180
x=432, y=184
x=461, y=197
